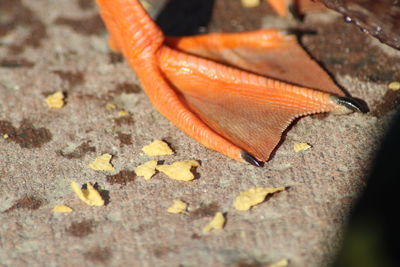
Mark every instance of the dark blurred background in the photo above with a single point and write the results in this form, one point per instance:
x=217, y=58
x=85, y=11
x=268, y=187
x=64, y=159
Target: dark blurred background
x=183, y=17
x=373, y=233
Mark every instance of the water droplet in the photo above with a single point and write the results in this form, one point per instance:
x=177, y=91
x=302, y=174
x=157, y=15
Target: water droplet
x=378, y=30
x=347, y=19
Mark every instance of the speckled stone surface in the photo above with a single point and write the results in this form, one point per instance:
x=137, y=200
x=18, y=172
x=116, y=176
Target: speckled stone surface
x=48, y=45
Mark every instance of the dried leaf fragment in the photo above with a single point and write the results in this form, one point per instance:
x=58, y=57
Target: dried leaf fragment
x=90, y=195
x=147, y=170
x=179, y=170
x=157, y=148
x=55, y=100
x=62, y=209
x=178, y=207
x=281, y=263
x=254, y=196
x=217, y=223
x=102, y=163
x=300, y=146
x=250, y=3
x=394, y=86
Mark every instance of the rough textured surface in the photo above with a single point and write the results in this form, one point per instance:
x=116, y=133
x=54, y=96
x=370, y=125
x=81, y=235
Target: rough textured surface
x=380, y=18
x=46, y=46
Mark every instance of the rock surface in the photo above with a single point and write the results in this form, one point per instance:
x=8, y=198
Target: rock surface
x=380, y=18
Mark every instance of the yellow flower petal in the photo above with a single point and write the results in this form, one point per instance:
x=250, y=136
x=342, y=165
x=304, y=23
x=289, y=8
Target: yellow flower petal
x=254, y=196
x=110, y=106
x=217, y=223
x=102, y=163
x=297, y=147
x=281, y=263
x=123, y=113
x=180, y=170
x=55, y=100
x=394, y=86
x=147, y=170
x=178, y=207
x=90, y=195
x=157, y=148
x=250, y=3
x=62, y=209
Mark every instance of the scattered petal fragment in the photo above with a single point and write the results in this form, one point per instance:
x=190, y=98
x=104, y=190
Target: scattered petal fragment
x=250, y=3
x=300, y=146
x=281, y=263
x=147, y=170
x=178, y=207
x=102, y=163
x=62, y=209
x=394, y=86
x=5, y=136
x=217, y=223
x=110, y=106
x=90, y=195
x=254, y=196
x=180, y=170
x=157, y=148
x=123, y=113
x=55, y=100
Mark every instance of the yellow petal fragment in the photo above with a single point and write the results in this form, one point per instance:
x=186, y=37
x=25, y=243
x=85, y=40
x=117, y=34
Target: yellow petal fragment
x=250, y=3
x=90, y=195
x=147, y=170
x=216, y=224
x=300, y=146
x=178, y=207
x=157, y=148
x=102, y=163
x=394, y=86
x=110, y=106
x=123, y=113
x=180, y=170
x=281, y=263
x=55, y=100
x=5, y=136
x=62, y=209
x=254, y=196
